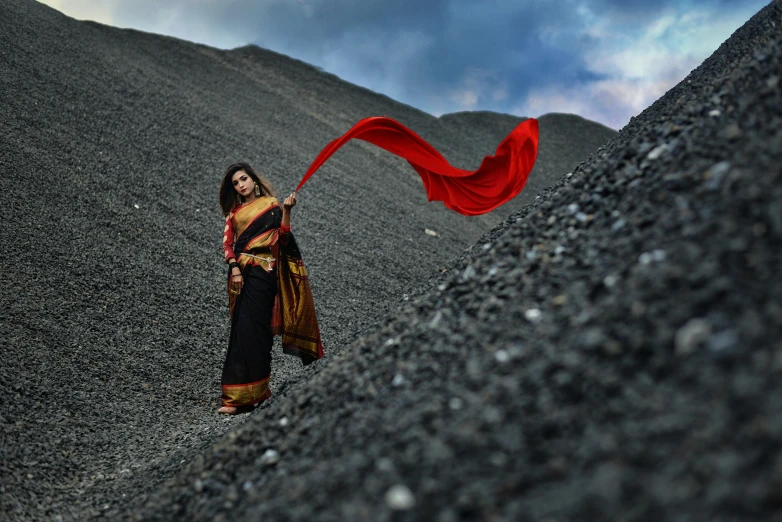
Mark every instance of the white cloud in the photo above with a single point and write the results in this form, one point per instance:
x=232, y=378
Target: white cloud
x=94, y=10
x=641, y=64
x=478, y=85
x=610, y=102
x=500, y=94
x=192, y=20
x=464, y=99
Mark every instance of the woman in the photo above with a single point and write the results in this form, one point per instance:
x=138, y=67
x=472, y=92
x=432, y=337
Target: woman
x=268, y=288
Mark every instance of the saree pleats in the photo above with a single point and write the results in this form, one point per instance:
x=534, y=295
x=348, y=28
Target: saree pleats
x=247, y=366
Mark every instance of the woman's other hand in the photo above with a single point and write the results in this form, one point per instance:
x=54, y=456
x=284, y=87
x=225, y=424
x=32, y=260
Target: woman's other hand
x=236, y=281
x=289, y=202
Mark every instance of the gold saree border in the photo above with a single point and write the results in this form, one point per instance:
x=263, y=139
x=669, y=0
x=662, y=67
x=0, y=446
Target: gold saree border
x=244, y=216
x=296, y=321
x=245, y=394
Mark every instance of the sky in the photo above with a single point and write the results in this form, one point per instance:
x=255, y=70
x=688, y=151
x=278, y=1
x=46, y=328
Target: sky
x=605, y=60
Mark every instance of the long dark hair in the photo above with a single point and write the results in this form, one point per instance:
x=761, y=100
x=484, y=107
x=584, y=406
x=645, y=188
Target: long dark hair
x=229, y=198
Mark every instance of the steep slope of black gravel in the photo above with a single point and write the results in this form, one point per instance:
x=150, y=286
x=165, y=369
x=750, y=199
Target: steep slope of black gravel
x=112, y=303
x=611, y=352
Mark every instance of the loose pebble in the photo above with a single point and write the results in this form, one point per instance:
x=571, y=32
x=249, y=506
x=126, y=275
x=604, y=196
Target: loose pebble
x=657, y=152
x=270, y=457
x=400, y=498
x=692, y=334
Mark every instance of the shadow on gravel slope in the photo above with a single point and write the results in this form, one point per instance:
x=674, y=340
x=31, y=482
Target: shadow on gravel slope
x=613, y=351
x=112, y=308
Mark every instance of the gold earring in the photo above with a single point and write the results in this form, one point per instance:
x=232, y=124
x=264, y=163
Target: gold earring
x=257, y=190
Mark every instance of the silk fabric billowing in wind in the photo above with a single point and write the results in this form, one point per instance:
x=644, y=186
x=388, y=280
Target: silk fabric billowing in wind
x=498, y=179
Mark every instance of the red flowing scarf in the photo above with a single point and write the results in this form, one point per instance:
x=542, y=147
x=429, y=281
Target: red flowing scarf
x=499, y=178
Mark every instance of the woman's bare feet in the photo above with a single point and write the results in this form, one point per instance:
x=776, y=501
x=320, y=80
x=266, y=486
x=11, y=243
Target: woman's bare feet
x=228, y=410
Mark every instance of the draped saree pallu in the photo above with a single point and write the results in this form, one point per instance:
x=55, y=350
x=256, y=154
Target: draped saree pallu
x=498, y=179
x=275, y=299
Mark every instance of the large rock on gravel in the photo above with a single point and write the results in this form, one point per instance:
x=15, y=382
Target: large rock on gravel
x=611, y=352
x=113, y=311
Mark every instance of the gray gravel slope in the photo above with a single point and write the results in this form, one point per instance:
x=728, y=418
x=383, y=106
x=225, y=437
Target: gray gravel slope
x=611, y=352
x=112, y=307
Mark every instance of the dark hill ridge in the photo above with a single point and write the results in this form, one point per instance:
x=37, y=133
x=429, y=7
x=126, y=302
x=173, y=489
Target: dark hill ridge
x=612, y=351
x=112, y=308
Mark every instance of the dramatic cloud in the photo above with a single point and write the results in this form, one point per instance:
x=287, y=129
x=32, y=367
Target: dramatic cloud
x=83, y=9
x=606, y=60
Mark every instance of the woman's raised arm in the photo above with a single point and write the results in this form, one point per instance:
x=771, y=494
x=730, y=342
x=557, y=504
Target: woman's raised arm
x=287, y=205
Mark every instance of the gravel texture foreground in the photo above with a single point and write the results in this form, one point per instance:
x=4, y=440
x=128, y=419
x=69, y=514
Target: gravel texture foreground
x=611, y=352
x=113, y=308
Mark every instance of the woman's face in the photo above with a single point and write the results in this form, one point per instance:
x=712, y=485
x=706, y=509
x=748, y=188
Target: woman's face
x=243, y=183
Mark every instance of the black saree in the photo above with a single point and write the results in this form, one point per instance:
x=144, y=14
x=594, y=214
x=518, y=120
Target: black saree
x=247, y=366
x=275, y=300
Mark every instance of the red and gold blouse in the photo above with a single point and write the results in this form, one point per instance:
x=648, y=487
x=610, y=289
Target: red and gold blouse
x=262, y=248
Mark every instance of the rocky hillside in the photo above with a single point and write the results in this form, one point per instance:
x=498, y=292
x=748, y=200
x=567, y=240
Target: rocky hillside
x=612, y=351
x=112, y=304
